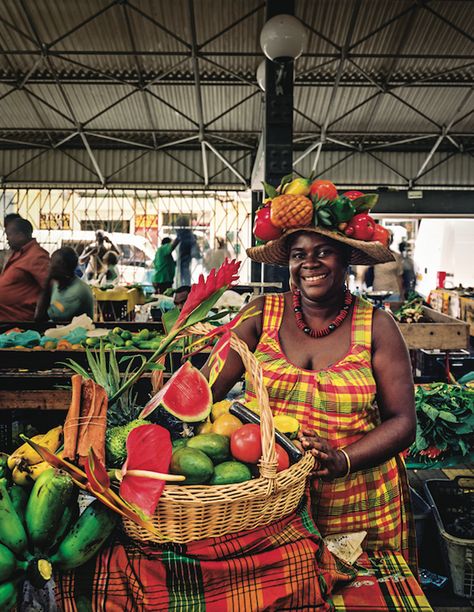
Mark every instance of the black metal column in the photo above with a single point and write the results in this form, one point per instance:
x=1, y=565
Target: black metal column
x=278, y=127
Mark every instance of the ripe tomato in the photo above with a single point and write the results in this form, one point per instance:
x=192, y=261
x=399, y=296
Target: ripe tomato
x=323, y=190
x=353, y=195
x=263, y=228
x=245, y=443
x=282, y=458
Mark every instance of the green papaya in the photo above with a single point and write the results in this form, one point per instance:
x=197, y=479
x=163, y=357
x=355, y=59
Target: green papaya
x=9, y=564
x=19, y=497
x=8, y=596
x=86, y=537
x=51, y=493
x=69, y=517
x=12, y=532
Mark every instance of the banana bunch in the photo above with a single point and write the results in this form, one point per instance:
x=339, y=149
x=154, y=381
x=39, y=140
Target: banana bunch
x=43, y=529
x=26, y=464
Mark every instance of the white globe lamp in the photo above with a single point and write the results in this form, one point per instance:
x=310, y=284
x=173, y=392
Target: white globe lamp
x=261, y=75
x=283, y=38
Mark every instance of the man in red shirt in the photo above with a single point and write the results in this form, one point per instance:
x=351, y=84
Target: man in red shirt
x=24, y=274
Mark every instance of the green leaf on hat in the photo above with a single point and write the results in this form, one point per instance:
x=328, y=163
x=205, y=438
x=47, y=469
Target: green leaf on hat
x=343, y=209
x=286, y=179
x=270, y=191
x=366, y=202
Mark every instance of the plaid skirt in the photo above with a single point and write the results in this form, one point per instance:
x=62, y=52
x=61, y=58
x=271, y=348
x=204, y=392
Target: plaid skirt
x=283, y=566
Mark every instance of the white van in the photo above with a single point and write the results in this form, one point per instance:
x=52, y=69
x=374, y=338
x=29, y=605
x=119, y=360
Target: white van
x=137, y=254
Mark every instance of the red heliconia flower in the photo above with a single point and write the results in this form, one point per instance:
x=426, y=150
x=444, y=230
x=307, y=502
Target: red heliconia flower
x=212, y=287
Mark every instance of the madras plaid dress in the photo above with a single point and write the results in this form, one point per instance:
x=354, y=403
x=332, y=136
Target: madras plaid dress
x=338, y=403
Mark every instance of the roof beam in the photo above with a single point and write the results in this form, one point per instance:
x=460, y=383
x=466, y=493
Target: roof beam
x=232, y=25
x=448, y=22
x=159, y=25
x=81, y=24
x=236, y=53
x=226, y=163
x=340, y=68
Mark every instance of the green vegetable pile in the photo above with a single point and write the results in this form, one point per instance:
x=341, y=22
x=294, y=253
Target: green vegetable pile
x=411, y=312
x=445, y=422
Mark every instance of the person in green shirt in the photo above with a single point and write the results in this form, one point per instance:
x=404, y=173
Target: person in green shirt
x=164, y=265
x=66, y=296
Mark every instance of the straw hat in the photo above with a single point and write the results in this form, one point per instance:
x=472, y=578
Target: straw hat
x=362, y=253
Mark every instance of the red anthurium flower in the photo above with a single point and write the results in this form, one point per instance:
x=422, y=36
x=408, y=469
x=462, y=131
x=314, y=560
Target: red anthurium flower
x=148, y=456
x=204, y=289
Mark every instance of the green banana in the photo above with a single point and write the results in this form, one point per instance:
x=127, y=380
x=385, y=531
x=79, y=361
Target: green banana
x=12, y=532
x=86, y=537
x=9, y=564
x=19, y=497
x=48, y=498
x=8, y=596
x=69, y=517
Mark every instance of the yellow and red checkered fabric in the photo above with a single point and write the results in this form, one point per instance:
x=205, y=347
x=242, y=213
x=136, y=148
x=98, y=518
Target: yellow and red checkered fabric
x=339, y=404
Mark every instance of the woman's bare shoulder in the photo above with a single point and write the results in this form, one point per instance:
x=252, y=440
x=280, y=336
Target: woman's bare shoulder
x=385, y=329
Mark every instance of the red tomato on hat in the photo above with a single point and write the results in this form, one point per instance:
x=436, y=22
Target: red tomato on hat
x=323, y=190
x=352, y=195
x=246, y=443
x=263, y=228
x=381, y=234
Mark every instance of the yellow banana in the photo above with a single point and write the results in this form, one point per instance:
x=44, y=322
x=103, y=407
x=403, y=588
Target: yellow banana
x=21, y=473
x=53, y=438
x=25, y=452
x=37, y=469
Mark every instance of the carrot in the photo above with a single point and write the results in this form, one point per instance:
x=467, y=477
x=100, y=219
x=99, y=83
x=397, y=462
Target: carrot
x=71, y=425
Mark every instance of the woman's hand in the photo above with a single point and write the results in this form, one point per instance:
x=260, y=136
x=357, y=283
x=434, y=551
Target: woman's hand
x=329, y=462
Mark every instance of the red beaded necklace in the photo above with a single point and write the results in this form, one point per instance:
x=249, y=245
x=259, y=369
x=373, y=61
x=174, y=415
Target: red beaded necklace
x=319, y=333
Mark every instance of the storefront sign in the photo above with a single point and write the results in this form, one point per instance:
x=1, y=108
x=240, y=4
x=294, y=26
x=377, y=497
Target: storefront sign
x=53, y=221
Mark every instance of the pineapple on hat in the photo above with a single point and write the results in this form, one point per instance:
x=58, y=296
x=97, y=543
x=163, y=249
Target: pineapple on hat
x=289, y=205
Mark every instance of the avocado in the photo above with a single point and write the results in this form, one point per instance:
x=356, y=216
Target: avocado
x=192, y=463
x=230, y=472
x=179, y=443
x=214, y=445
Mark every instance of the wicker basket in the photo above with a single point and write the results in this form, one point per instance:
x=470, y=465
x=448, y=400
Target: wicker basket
x=187, y=513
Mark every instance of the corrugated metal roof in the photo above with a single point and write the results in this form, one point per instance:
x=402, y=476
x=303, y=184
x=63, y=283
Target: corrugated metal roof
x=392, y=43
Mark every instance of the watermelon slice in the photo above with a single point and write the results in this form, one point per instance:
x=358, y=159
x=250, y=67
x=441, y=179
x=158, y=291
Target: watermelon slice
x=187, y=396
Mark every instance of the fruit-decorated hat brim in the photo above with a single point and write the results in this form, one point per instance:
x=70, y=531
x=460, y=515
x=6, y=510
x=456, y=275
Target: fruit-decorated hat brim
x=362, y=253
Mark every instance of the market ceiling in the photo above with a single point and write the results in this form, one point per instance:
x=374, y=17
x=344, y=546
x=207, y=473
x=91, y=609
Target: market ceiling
x=90, y=79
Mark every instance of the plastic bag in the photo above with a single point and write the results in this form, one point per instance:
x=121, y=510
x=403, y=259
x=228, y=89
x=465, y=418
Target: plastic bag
x=27, y=339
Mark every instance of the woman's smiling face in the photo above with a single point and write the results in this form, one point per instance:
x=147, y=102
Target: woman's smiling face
x=318, y=265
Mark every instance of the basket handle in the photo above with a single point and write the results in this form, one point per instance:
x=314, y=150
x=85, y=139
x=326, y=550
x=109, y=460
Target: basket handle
x=268, y=462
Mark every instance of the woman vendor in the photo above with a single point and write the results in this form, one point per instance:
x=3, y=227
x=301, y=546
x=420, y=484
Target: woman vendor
x=342, y=369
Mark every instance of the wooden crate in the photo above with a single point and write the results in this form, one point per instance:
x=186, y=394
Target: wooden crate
x=467, y=312
x=442, y=332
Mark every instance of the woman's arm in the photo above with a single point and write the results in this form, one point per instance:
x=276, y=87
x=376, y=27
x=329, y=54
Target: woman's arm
x=249, y=331
x=396, y=401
